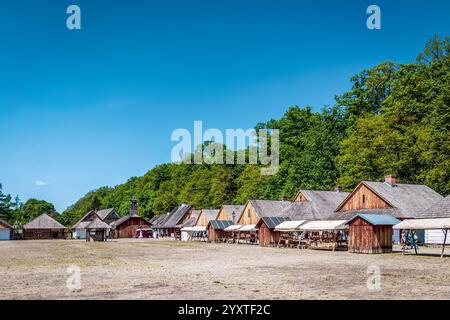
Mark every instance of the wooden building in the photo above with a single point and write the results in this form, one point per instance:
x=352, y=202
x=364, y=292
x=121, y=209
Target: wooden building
x=5, y=230
x=230, y=212
x=205, y=216
x=254, y=210
x=402, y=201
x=172, y=223
x=126, y=227
x=44, y=227
x=97, y=230
x=438, y=210
x=370, y=233
x=268, y=236
x=215, y=230
x=108, y=216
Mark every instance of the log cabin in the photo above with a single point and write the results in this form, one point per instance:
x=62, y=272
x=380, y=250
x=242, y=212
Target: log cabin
x=44, y=227
x=127, y=226
x=5, y=230
x=107, y=216
x=402, y=201
x=230, y=212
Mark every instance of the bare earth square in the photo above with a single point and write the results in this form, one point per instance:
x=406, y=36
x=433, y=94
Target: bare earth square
x=165, y=269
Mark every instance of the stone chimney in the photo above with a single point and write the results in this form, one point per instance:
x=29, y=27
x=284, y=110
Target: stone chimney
x=338, y=189
x=134, y=207
x=390, y=179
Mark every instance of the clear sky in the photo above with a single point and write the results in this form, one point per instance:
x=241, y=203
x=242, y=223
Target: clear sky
x=89, y=108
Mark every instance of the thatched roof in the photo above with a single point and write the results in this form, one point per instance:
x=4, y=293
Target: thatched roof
x=97, y=224
x=175, y=216
x=269, y=208
x=410, y=200
x=319, y=205
x=440, y=209
x=44, y=221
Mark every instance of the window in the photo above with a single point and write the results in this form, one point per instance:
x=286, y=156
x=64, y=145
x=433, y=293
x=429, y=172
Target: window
x=248, y=213
x=363, y=198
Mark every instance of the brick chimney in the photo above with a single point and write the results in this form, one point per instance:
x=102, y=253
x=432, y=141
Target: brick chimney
x=390, y=179
x=338, y=189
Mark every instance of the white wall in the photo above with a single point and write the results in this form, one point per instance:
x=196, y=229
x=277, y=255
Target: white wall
x=436, y=237
x=5, y=234
x=79, y=233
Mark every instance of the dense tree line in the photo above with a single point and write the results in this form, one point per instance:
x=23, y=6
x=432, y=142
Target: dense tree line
x=394, y=119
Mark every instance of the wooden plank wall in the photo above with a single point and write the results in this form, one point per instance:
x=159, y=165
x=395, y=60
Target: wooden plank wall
x=366, y=238
x=249, y=215
x=128, y=228
x=364, y=198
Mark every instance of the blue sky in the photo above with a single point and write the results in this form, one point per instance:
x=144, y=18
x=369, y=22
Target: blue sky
x=89, y=108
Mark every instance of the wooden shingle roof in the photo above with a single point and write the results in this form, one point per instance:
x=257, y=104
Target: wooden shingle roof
x=269, y=208
x=44, y=221
x=440, y=209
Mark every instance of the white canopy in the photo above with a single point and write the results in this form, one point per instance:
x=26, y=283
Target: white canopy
x=424, y=224
x=324, y=225
x=289, y=225
x=247, y=228
x=234, y=227
x=194, y=229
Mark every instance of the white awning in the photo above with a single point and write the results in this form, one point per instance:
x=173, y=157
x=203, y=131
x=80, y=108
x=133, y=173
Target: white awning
x=194, y=229
x=325, y=225
x=248, y=228
x=424, y=224
x=233, y=227
x=289, y=225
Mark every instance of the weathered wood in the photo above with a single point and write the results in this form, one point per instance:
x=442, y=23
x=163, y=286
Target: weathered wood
x=367, y=238
x=363, y=198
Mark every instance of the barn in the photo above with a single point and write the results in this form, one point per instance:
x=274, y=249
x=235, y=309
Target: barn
x=371, y=233
x=5, y=230
x=44, y=227
x=216, y=231
x=126, y=227
x=402, y=201
x=268, y=236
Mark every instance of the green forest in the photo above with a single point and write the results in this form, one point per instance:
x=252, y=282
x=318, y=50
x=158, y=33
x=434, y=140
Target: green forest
x=395, y=118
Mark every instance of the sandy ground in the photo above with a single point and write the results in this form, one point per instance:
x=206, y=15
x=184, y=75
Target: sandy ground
x=165, y=269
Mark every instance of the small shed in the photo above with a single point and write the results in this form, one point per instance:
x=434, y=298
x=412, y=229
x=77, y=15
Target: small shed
x=216, y=231
x=369, y=233
x=268, y=236
x=5, y=230
x=97, y=230
x=44, y=227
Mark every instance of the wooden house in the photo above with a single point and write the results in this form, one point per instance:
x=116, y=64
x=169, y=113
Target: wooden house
x=107, y=216
x=174, y=221
x=402, y=201
x=215, y=230
x=230, y=212
x=5, y=230
x=205, y=216
x=371, y=233
x=268, y=236
x=44, y=227
x=97, y=230
x=127, y=226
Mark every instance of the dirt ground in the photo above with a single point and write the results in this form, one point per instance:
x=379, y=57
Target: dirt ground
x=166, y=269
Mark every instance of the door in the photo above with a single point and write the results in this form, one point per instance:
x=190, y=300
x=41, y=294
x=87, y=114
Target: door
x=5, y=234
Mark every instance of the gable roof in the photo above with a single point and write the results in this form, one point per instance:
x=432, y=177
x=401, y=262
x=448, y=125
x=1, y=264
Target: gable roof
x=103, y=214
x=230, y=208
x=175, y=216
x=159, y=220
x=81, y=224
x=126, y=218
x=210, y=214
x=5, y=224
x=268, y=208
x=272, y=222
x=320, y=205
x=440, y=209
x=97, y=224
x=377, y=219
x=411, y=200
x=44, y=221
